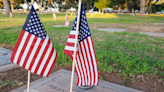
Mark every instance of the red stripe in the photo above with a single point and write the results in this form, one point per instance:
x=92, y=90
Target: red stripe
x=17, y=45
x=71, y=36
x=52, y=66
x=91, y=60
x=23, y=48
x=48, y=60
x=68, y=52
x=95, y=61
x=43, y=55
x=70, y=44
x=36, y=54
x=29, y=52
x=85, y=51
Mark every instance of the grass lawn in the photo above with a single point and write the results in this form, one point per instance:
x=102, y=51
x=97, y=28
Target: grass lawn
x=128, y=54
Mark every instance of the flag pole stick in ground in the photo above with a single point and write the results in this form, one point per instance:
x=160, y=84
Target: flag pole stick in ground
x=76, y=39
x=28, y=81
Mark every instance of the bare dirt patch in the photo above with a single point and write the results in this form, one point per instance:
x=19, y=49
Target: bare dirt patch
x=143, y=27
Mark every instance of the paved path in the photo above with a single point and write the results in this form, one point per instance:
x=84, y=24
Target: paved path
x=153, y=34
x=111, y=30
x=121, y=30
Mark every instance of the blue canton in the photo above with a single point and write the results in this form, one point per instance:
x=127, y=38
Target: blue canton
x=83, y=25
x=33, y=24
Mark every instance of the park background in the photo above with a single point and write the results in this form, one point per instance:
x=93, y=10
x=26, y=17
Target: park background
x=127, y=58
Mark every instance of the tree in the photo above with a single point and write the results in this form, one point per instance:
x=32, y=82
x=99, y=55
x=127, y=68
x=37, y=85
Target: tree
x=133, y=5
x=89, y=4
x=118, y=3
x=101, y=4
x=7, y=7
x=142, y=7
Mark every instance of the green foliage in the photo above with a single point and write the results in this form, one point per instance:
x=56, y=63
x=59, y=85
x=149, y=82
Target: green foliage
x=7, y=82
x=101, y=4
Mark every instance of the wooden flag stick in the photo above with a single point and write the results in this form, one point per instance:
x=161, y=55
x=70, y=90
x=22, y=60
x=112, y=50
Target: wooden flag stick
x=28, y=81
x=76, y=39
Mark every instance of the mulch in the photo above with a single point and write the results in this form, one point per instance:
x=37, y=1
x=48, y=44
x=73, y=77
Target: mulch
x=147, y=83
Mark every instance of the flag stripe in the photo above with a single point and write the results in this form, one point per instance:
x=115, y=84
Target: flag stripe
x=79, y=73
x=36, y=54
x=20, y=47
x=82, y=69
x=70, y=44
x=86, y=59
x=45, y=58
x=26, y=50
x=52, y=65
x=48, y=60
x=33, y=53
x=90, y=55
x=40, y=53
x=29, y=52
x=23, y=48
x=17, y=45
x=42, y=56
x=95, y=63
x=72, y=36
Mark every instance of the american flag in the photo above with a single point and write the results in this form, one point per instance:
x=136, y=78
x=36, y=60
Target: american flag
x=34, y=51
x=86, y=63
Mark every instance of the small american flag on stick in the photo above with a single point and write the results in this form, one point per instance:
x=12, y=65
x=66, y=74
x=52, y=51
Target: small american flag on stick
x=34, y=51
x=86, y=63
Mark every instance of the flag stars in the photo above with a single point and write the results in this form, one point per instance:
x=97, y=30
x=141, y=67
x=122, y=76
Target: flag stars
x=31, y=16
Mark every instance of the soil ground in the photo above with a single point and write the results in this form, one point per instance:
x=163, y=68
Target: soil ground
x=147, y=83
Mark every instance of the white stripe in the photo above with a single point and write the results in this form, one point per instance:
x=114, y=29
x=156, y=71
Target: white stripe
x=73, y=32
x=78, y=71
x=71, y=40
x=89, y=60
x=86, y=63
x=33, y=53
x=40, y=53
x=20, y=46
x=26, y=50
x=69, y=48
x=94, y=60
x=81, y=70
x=45, y=59
x=83, y=51
x=50, y=63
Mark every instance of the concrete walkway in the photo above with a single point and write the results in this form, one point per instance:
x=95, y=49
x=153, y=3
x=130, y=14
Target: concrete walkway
x=111, y=30
x=153, y=34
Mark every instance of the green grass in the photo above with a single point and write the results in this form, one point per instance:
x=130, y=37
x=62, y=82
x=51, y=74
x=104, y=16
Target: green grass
x=127, y=53
x=18, y=20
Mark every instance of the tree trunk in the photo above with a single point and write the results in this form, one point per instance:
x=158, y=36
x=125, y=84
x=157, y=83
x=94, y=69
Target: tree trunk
x=119, y=9
x=7, y=7
x=142, y=7
x=40, y=7
x=12, y=6
x=99, y=10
